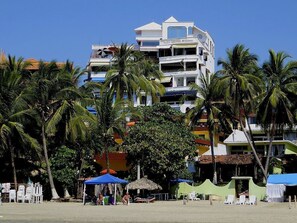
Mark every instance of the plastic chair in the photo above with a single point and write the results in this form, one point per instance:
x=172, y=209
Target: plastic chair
x=241, y=200
x=29, y=194
x=37, y=193
x=229, y=200
x=192, y=196
x=12, y=195
x=252, y=200
x=21, y=193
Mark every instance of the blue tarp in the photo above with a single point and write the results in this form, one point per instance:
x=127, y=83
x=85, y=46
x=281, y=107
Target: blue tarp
x=106, y=179
x=179, y=180
x=98, y=79
x=289, y=179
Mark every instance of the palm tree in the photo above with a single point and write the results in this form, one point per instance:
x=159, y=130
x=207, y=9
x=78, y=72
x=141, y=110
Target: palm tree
x=13, y=110
x=240, y=86
x=207, y=104
x=43, y=89
x=149, y=77
x=109, y=120
x=121, y=78
x=275, y=108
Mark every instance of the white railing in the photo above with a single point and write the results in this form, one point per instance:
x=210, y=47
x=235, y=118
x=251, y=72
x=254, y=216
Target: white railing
x=181, y=40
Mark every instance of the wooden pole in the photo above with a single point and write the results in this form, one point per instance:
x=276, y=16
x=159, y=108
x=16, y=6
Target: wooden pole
x=84, y=194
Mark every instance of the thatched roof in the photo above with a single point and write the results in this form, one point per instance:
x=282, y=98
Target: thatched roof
x=144, y=184
x=234, y=159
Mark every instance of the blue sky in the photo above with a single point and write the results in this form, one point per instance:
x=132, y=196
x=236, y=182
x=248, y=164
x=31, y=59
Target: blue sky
x=66, y=29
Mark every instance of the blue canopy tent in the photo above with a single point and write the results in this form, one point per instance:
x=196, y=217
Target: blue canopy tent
x=276, y=186
x=289, y=179
x=104, y=179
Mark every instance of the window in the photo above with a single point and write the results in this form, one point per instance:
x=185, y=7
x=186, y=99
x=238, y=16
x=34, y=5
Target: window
x=190, y=80
x=177, y=32
x=180, y=82
x=150, y=43
x=190, y=30
x=178, y=51
x=252, y=120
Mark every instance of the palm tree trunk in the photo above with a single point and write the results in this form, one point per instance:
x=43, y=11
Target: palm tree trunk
x=12, y=157
x=214, y=180
x=107, y=159
x=271, y=138
x=253, y=148
x=49, y=172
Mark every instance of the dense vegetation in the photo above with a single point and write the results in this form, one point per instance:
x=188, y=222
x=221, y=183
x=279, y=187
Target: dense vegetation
x=47, y=134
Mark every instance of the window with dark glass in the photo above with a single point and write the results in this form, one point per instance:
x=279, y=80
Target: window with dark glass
x=150, y=43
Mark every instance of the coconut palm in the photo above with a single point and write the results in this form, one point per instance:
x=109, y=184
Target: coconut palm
x=207, y=104
x=240, y=86
x=13, y=110
x=121, y=78
x=149, y=77
x=275, y=109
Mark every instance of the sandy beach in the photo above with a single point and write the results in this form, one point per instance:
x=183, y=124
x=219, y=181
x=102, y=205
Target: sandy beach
x=160, y=211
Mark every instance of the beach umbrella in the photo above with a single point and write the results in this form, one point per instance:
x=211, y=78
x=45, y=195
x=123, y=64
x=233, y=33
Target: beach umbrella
x=111, y=171
x=143, y=184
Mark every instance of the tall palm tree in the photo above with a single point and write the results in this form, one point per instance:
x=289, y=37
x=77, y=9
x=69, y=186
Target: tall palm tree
x=44, y=87
x=207, y=104
x=240, y=85
x=149, y=77
x=13, y=110
x=121, y=78
x=275, y=108
x=109, y=120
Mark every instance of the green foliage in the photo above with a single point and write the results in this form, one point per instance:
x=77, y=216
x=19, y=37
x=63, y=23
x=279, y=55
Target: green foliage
x=63, y=163
x=159, y=142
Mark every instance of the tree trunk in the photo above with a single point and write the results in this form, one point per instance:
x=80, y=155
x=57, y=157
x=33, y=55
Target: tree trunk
x=253, y=148
x=214, y=180
x=107, y=159
x=49, y=172
x=12, y=157
x=271, y=138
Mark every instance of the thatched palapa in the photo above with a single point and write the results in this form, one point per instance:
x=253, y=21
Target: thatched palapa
x=143, y=184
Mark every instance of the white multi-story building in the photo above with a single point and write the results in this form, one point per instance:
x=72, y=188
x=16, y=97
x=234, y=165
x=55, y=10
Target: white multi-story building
x=183, y=51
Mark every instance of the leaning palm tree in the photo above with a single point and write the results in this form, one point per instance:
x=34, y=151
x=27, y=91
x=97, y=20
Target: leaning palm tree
x=240, y=86
x=275, y=108
x=207, y=104
x=43, y=88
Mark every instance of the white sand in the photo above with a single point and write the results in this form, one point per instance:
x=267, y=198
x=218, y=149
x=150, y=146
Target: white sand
x=160, y=211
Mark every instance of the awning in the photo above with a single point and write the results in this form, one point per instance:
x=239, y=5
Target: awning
x=164, y=47
x=289, y=179
x=185, y=46
x=166, y=80
x=98, y=79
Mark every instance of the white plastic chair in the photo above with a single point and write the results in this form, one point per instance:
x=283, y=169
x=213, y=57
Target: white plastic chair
x=12, y=195
x=241, y=200
x=37, y=193
x=29, y=194
x=21, y=193
x=192, y=196
x=229, y=200
x=252, y=200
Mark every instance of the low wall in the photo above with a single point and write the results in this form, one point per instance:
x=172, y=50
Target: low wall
x=207, y=188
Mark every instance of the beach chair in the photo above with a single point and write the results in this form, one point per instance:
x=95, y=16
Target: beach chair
x=241, y=200
x=12, y=195
x=144, y=200
x=229, y=199
x=252, y=200
x=29, y=194
x=21, y=193
x=192, y=196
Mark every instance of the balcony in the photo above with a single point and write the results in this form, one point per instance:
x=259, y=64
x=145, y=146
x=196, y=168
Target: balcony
x=181, y=88
x=180, y=40
x=178, y=58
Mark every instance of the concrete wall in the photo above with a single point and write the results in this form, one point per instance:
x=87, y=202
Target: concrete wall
x=207, y=188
